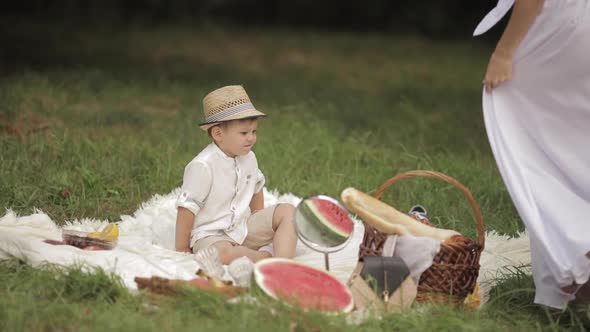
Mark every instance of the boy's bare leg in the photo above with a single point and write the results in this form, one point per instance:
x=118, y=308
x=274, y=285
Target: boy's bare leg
x=228, y=252
x=285, y=239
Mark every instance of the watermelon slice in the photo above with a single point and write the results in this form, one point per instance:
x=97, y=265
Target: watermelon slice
x=301, y=285
x=330, y=223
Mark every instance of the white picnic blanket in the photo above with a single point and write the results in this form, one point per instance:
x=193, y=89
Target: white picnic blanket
x=146, y=245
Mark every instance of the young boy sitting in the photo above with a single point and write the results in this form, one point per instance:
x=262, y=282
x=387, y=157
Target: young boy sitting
x=221, y=203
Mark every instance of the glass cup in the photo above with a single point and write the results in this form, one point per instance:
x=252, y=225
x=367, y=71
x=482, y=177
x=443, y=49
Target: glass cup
x=241, y=271
x=210, y=262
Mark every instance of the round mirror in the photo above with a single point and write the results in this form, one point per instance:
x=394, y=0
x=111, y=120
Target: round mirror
x=323, y=224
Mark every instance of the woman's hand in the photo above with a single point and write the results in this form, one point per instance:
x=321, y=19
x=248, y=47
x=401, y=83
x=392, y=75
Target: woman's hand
x=522, y=18
x=499, y=71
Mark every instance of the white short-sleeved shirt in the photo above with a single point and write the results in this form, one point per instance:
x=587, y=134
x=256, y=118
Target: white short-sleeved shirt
x=218, y=190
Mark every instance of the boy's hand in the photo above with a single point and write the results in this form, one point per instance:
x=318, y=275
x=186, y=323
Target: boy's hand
x=499, y=71
x=257, y=202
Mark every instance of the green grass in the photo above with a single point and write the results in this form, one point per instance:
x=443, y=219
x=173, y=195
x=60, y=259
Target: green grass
x=94, y=122
x=73, y=300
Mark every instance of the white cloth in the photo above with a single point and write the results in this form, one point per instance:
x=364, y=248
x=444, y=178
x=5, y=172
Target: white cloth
x=538, y=124
x=416, y=251
x=493, y=17
x=218, y=190
x=146, y=245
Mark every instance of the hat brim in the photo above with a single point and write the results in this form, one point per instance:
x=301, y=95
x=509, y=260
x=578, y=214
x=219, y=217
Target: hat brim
x=241, y=115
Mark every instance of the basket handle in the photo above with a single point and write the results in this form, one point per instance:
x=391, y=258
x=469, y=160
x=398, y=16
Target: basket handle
x=445, y=178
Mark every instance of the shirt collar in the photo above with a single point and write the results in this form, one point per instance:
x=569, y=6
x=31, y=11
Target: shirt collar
x=222, y=154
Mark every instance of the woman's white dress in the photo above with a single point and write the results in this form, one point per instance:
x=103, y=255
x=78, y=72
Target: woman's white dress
x=538, y=126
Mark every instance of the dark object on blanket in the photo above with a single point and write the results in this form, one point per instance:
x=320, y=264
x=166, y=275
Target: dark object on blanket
x=382, y=284
x=384, y=274
x=62, y=243
x=454, y=270
x=82, y=241
x=158, y=285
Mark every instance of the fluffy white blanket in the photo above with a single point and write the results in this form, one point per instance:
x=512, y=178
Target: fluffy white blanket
x=146, y=245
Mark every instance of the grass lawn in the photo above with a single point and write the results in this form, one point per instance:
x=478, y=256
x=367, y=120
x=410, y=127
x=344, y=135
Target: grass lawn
x=95, y=121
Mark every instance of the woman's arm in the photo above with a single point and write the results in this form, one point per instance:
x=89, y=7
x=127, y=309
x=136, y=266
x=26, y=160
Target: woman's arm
x=184, y=225
x=499, y=68
x=257, y=202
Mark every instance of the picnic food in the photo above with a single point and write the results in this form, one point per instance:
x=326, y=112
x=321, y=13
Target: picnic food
x=82, y=240
x=109, y=233
x=164, y=286
x=103, y=240
x=330, y=219
x=301, y=285
x=387, y=219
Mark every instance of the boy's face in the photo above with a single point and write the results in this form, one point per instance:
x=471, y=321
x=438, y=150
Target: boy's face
x=236, y=138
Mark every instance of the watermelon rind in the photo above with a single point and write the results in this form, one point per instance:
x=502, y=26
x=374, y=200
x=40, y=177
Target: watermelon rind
x=312, y=213
x=314, y=231
x=259, y=279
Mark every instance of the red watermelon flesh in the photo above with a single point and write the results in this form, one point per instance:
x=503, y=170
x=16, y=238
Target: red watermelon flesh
x=302, y=285
x=337, y=217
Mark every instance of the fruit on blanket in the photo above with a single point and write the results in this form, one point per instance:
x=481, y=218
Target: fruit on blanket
x=302, y=285
x=109, y=233
x=331, y=219
x=200, y=282
x=215, y=282
x=93, y=248
x=473, y=300
x=387, y=219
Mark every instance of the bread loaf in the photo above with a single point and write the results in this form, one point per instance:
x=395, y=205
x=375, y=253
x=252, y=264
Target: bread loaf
x=387, y=219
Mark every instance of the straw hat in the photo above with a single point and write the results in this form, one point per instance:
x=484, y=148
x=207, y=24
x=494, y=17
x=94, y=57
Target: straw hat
x=227, y=103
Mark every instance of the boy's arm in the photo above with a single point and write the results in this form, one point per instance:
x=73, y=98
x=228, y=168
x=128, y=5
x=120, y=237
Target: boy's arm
x=257, y=202
x=522, y=18
x=184, y=225
x=196, y=185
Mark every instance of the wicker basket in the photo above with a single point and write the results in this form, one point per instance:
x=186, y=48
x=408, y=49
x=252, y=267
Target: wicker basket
x=455, y=268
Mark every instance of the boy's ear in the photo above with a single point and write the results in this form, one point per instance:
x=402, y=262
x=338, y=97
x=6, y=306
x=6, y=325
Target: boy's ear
x=216, y=133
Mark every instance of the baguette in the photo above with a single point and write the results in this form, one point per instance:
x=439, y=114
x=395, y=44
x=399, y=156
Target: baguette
x=387, y=219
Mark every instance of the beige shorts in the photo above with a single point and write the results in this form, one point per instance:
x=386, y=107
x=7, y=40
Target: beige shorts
x=260, y=232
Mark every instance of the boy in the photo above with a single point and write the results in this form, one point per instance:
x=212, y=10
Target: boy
x=221, y=203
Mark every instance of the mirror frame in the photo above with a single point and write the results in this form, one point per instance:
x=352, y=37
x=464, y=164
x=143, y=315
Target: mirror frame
x=315, y=246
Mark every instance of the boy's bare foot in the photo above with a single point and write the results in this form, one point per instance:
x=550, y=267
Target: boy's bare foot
x=228, y=252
